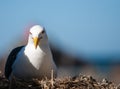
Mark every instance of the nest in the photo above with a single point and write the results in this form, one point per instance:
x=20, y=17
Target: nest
x=77, y=82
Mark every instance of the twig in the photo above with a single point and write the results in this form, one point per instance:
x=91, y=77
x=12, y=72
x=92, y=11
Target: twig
x=52, y=77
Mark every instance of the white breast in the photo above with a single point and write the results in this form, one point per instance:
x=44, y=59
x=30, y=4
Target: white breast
x=32, y=62
x=35, y=56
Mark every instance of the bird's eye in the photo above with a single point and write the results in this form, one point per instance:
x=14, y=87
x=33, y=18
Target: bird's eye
x=30, y=33
x=43, y=32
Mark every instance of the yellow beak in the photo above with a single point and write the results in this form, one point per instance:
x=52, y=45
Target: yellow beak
x=36, y=40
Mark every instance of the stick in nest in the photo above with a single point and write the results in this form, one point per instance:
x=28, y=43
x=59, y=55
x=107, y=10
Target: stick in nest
x=52, y=77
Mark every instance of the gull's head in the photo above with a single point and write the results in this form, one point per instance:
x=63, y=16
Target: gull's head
x=37, y=35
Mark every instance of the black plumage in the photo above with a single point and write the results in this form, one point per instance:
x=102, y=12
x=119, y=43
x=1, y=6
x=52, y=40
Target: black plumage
x=10, y=60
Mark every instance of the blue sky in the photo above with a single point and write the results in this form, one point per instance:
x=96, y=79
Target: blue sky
x=79, y=26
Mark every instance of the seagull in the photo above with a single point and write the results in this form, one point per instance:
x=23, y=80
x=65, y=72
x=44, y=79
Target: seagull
x=33, y=60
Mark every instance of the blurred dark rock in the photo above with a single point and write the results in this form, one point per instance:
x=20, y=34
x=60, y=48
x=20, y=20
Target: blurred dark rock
x=65, y=59
x=2, y=65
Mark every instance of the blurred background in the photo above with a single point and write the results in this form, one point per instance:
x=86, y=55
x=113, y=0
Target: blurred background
x=84, y=35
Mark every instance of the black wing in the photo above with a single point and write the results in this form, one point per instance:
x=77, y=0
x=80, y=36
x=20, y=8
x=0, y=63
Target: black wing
x=10, y=60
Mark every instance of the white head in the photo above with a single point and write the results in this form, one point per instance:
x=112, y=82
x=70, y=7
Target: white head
x=37, y=35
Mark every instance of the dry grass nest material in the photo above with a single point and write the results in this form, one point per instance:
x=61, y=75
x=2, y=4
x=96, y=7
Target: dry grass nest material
x=77, y=82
